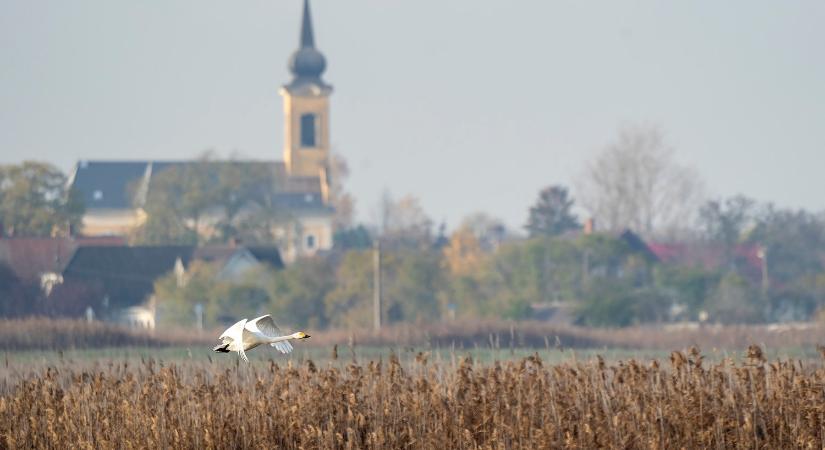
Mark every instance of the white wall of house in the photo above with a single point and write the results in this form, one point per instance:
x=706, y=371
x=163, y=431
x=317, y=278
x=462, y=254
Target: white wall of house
x=137, y=317
x=309, y=234
x=112, y=222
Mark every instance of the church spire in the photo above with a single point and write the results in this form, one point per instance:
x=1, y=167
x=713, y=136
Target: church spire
x=307, y=63
x=306, y=108
x=307, y=39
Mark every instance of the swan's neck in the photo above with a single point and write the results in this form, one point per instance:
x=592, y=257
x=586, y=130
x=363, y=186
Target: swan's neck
x=283, y=338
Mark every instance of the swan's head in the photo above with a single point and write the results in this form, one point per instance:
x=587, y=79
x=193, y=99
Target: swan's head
x=301, y=335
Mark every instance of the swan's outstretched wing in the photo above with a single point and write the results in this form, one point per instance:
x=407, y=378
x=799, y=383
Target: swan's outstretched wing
x=283, y=346
x=234, y=333
x=266, y=325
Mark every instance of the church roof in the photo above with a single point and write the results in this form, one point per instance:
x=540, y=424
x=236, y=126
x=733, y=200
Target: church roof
x=117, y=184
x=105, y=184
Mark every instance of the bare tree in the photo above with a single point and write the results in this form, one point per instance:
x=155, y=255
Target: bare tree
x=636, y=183
x=403, y=222
x=489, y=231
x=724, y=221
x=339, y=197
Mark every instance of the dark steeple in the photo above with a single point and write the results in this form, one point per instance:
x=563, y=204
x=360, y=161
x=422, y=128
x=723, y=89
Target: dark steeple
x=307, y=63
x=307, y=40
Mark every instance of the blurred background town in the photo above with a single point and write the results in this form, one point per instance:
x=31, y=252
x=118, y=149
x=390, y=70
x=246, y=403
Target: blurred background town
x=632, y=235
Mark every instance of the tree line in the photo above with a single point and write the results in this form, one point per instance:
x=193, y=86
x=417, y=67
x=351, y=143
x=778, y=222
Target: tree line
x=742, y=260
x=481, y=271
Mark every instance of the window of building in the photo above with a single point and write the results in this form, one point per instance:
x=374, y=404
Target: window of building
x=310, y=241
x=308, y=130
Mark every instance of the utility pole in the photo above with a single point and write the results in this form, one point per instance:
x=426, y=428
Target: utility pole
x=762, y=254
x=376, y=289
x=199, y=316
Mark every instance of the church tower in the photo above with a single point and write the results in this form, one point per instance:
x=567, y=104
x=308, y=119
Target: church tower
x=306, y=108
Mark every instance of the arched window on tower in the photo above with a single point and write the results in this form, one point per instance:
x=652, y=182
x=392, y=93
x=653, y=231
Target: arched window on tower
x=308, y=130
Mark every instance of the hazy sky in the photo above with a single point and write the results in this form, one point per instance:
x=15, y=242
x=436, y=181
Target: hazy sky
x=470, y=105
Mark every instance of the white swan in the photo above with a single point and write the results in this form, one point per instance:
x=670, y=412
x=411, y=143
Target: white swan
x=246, y=335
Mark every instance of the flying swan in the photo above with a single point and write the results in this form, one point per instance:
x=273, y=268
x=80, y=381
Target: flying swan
x=248, y=334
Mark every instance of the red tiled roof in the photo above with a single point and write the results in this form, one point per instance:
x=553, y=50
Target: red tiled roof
x=707, y=256
x=29, y=258
x=666, y=252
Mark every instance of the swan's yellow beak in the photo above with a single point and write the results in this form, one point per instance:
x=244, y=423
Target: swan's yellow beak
x=302, y=335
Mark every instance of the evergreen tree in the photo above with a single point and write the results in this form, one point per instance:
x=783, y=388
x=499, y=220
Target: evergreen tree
x=552, y=215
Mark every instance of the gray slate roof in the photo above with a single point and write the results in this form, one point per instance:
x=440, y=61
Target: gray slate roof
x=113, y=184
x=105, y=184
x=126, y=274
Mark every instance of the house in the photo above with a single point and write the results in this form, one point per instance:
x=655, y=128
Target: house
x=115, y=191
x=634, y=242
x=41, y=261
x=711, y=257
x=235, y=261
x=639, y=254
x=123, y=277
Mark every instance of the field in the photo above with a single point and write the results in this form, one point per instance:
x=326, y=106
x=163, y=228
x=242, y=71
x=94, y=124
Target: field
x=414, y=395
x=412, y=400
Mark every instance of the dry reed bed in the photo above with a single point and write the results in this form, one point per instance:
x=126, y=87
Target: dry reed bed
x=519, y=404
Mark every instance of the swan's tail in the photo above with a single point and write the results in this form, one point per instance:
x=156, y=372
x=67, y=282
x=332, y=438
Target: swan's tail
x=221, y=348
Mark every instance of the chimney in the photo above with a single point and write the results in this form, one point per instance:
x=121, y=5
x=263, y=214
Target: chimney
x=589, y=225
